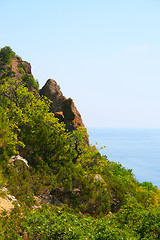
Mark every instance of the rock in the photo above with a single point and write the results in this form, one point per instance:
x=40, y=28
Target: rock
x=62, y=107
x=11, y=198
x=18, y=158
x=3, y=189
x=5, y=205
x=16, y=63
x=52, y=91
x=68, y=109
x=60, y=116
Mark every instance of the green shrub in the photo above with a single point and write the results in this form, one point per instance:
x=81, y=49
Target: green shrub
x=56, y=223
x=8, y=138
x=148, y=186
x=2, y=181
x=30, y=82
x=6, y=55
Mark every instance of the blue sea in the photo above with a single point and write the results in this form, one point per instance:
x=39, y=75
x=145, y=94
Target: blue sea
x=136, y=149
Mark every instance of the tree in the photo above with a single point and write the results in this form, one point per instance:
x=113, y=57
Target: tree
x=8, y=138
x=6, y=55
x=43, y=136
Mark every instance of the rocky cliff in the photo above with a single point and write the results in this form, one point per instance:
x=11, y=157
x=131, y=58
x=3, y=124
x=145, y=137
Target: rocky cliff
x=18, y=64
x=63, y=108
x=17, y=68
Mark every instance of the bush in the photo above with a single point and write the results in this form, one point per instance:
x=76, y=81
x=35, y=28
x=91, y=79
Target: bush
x=30, y=82
x=56, y=223
x=6, y=55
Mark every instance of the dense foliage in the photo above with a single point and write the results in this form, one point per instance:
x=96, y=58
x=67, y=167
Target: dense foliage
x=6, y=55
x=99, y=199
x=48, y=222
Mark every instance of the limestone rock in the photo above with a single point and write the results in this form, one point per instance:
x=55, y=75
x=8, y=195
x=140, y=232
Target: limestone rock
x=18, y=158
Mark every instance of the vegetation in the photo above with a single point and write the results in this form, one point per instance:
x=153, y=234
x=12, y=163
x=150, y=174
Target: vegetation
x=6, y=55
x=30, y=81
x=81, y=194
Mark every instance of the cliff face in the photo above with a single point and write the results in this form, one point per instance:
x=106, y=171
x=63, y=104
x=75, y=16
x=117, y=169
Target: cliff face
x=16, y=64
x=63, y=108
x=17, y=68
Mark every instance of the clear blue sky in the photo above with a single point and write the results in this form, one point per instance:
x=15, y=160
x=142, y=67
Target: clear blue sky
x=105, y=54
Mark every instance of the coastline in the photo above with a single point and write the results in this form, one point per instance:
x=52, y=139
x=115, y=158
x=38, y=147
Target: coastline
x=136, y=149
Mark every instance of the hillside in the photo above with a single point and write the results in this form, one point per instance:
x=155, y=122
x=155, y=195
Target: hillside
x=60, y=185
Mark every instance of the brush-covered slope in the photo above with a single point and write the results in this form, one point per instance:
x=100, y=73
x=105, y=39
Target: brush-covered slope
x=62, y=187
x=63, y=108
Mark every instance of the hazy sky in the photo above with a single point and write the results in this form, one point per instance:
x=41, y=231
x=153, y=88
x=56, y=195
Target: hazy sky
x=105, y=54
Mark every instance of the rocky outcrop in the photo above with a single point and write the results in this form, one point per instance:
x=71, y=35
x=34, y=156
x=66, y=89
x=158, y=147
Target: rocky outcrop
x=17, y=65
x=5, y=205
x=7, y=201
x=63, y=108
x=52, y=91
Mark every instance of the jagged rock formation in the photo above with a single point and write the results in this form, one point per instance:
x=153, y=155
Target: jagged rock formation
x=63, y=108
x=52, y=91
x=17, y=63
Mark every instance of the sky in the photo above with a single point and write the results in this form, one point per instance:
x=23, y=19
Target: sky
x=104, y=54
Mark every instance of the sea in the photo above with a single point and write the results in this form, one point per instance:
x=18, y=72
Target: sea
x=136, y=149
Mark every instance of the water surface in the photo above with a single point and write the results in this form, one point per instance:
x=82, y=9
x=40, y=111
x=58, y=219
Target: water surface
x=138, y=149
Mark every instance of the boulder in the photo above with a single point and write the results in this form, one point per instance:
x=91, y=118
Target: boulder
x=18, y=158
